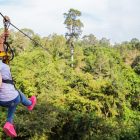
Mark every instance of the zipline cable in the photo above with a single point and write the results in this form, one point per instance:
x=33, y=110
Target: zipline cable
x=36, y=43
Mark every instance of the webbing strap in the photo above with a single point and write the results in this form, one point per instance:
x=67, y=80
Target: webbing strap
x=11, y=82
x=8, y=81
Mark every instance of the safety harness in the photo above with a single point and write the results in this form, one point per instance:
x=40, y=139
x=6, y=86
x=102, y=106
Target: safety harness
x=8, y=81
x=12, y=83
x=6, y=51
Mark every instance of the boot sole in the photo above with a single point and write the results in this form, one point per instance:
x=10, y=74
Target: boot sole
x=9, y=133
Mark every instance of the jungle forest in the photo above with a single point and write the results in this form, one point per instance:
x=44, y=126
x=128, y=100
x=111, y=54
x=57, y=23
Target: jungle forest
x=86, y=88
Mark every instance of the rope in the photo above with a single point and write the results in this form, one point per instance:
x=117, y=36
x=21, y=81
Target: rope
x=36, y=43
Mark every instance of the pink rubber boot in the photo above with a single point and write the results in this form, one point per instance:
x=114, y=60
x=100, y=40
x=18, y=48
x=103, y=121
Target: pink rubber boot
x=33, y=100
x=9, y=129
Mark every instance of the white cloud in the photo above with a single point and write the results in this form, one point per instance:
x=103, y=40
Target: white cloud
x=117, y=20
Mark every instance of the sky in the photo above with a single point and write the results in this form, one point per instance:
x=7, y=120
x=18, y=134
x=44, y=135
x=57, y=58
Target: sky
x=117, y=20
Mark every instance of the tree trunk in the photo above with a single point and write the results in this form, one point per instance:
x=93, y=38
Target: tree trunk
x=72, y=54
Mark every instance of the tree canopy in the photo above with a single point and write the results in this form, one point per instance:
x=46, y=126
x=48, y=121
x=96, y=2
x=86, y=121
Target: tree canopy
x=97, y=99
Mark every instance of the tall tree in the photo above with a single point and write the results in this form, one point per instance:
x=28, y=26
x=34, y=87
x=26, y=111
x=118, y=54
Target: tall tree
x=74, y=25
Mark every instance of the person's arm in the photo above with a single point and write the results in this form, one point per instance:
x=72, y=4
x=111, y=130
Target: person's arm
x=0, y=79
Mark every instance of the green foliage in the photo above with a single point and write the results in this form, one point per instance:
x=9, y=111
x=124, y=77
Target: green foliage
x=90, y=40
x=136, y=65
x=98, y=99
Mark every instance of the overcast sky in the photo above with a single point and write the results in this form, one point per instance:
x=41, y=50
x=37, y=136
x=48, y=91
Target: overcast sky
x=117, y=20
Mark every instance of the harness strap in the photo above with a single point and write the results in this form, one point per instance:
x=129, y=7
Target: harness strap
x=20, y=96
x=12, y=82
x=8, y=81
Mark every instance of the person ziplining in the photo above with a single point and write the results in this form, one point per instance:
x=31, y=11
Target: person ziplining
x=10, y=97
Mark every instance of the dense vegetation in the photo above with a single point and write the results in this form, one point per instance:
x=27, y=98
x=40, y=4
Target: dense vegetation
x=97, y=99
